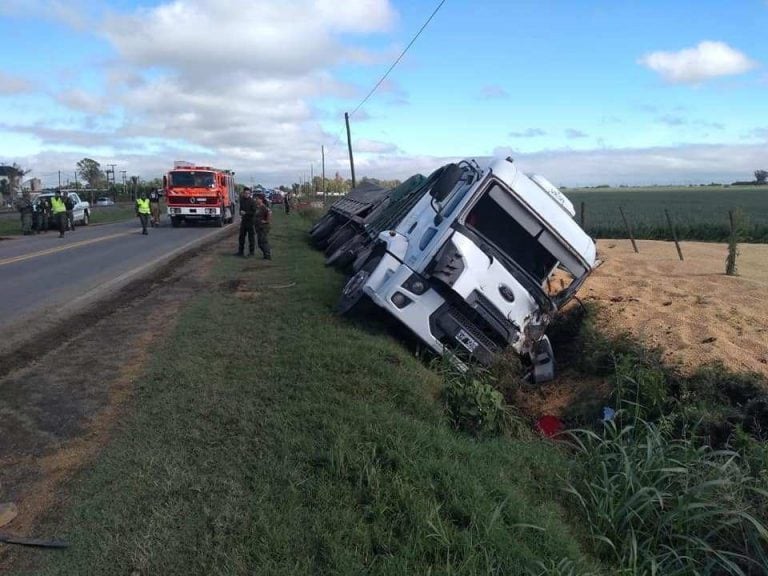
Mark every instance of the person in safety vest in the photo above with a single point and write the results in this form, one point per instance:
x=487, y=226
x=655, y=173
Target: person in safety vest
x=143, y=211
x=59, y=212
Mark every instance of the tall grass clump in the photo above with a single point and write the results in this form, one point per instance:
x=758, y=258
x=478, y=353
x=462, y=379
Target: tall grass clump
x=474, y=405
x=655, y=504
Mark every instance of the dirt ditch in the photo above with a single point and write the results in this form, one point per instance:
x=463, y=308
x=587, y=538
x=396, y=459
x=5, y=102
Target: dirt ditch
x=62, y=395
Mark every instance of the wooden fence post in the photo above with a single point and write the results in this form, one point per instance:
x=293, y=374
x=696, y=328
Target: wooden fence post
x=629, y=230
x=674, y=234
x=733, y=248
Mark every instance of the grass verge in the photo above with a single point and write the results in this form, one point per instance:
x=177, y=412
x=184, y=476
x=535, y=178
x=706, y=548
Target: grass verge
x=270, y=437
x=99, y=215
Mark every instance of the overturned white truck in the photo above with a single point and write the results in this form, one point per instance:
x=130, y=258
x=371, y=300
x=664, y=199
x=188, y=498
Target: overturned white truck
x=471, y=259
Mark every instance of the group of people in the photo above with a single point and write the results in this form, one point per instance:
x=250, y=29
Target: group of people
x=36, y=217
x=255, y=222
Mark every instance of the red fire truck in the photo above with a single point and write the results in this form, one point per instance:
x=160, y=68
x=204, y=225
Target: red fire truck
x=200, y=193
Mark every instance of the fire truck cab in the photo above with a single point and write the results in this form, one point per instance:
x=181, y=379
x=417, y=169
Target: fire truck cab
x=200, y=193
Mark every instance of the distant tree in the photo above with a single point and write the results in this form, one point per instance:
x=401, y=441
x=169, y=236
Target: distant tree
x=761, y=176
x=14, y=173
x=90, y=171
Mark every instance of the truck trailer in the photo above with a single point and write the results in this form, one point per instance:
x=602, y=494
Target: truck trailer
x=471, y=259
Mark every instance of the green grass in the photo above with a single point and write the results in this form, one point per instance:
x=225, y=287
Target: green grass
x=699, y=213
x=270, y=437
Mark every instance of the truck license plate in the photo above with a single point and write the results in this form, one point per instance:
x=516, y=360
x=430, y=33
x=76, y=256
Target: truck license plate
x=466, y=340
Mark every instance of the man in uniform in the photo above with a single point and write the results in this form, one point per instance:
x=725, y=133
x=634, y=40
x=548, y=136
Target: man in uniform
x=69, y=204
x=24, y=206
x=59, y=212
x=143, y=211
x=154, y=205
x=45, y=211
x=262, y=223
x=287, y=202
x=247, y=213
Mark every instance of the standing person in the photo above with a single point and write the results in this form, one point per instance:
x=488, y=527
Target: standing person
x=262, y=224
x=247, y=214
x=154, y=205
x=45, y=212
x=24, y=205
x=287, y=202
x=143, y=211
x=59, y=212
x=36, y=209
x=70, y=206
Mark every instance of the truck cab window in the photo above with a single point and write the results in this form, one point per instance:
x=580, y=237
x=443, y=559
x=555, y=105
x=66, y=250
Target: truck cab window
x=494, y=224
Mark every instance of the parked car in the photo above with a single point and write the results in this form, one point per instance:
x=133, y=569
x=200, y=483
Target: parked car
x=276, y=197
x=104, y=201
x=81, y=212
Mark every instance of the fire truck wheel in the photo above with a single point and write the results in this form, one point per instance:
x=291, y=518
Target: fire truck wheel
x=353, y=293
x=175, y=221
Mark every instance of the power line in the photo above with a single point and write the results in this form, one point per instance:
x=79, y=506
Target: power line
x=399, y=57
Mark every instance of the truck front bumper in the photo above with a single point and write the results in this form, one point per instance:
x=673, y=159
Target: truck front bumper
x=194, y=212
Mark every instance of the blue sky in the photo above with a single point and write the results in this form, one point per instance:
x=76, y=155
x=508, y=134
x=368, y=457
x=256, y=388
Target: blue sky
x=585, y=92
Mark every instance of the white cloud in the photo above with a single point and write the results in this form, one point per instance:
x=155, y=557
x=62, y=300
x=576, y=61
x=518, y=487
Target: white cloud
x=82, y=101
x=694, y=65
x=366, y=146
x=493, y=92
x=528, y=133
x=573, y=134
x=13, y=84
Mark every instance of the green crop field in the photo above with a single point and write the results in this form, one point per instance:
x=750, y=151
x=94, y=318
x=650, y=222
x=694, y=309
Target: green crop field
x=699, y=213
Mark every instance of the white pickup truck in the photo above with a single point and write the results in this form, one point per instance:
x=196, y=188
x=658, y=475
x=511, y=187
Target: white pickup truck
x=472, y=259
x=81, y=211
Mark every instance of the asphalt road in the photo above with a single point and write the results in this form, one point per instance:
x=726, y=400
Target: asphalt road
x=42, y=273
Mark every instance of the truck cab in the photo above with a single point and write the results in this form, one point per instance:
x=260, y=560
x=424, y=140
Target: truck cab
x=482, y=260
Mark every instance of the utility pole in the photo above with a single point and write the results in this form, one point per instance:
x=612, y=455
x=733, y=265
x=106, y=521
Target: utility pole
x=125, y=191
x=59, y=179
x=312, y=177
x=322, y=152
x=349, y=145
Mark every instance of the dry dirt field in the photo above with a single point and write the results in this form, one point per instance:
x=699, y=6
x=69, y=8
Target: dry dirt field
x=690, y=309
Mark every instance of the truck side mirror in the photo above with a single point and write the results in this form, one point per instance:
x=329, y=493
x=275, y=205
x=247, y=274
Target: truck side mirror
x=446, y=182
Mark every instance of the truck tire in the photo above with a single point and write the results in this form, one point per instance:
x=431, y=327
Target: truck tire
x=175, y=221
x=86, y=218
x=320, y=222
x=322, y=233
x=339, y=238
x=346, y=254
x=353, y=293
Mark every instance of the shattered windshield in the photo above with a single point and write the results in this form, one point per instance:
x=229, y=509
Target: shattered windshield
x=190, y=179
x=513, y=231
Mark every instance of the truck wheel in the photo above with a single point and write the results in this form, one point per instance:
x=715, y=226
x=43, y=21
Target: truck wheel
x=323, y=232
x=353, y=293
x=338, y=239
x=86, y=218
x=175, y=221
x=320, y=222
x=346, y=254
x=220, y=222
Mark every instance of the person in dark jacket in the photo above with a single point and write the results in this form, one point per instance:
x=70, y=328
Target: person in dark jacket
x=70, y=205
x=24, y=206
x=247, y=215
